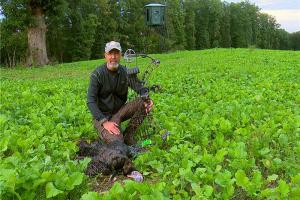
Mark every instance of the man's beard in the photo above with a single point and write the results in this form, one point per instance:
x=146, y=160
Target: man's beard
x=113, y=66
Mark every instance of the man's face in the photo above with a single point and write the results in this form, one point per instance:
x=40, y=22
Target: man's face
x=113, y=58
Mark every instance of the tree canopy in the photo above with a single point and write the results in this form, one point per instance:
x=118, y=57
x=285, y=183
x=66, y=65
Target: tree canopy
x=70, y=30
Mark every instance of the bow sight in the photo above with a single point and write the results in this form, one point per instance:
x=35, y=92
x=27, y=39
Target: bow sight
x=142, y=86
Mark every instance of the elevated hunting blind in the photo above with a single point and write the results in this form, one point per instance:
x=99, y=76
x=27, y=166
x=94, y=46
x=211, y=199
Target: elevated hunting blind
x=155, y=14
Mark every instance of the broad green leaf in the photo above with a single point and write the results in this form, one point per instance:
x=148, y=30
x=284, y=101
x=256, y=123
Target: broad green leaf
x=90, y=196
x=207, y=190
x=48, y=175
x=74, y=179
x=225, y=125
x=266, y=163
x=117, y=188
x=4, y=143
x=197, y=189
x=296, y=179
x=283, y=188
x=219, y=157
x=9, y=176
x=241, y=179
x=257, y=180
x=272, y=177
x=51, y=191
x=264, y=151
x=223, y=179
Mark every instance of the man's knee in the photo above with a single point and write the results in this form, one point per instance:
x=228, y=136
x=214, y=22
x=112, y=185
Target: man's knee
x=141, y=104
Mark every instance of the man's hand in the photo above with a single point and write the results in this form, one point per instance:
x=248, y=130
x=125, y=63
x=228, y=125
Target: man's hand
x=111, y=127
x=148, y=105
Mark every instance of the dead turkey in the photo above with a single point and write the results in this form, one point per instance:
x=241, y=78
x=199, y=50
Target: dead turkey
x=109, y=158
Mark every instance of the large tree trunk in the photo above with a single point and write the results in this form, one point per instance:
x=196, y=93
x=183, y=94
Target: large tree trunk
x=37, y=39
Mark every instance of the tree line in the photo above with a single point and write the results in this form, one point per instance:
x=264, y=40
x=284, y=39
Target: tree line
x=39, y=32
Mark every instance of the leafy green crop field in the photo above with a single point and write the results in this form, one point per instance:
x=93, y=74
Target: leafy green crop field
x=233, y=116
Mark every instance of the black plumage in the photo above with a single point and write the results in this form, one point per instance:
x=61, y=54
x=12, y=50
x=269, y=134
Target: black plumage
x=107, y=158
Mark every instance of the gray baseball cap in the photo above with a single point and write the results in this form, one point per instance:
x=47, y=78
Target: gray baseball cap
x=112, y=45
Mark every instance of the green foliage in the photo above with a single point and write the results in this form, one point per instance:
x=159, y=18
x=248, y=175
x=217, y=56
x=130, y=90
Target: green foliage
x=295, y=40
x=175, y=25
x=190, y=29
x=40, y=140
x=13, y=43
x=90, y=196
x=233, y=123
x=71, y=38
x=202, y=33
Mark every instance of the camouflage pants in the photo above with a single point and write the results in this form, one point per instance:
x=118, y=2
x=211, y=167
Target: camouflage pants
x=135, y=111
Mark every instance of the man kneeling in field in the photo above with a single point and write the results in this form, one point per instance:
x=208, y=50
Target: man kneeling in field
x=107, y=96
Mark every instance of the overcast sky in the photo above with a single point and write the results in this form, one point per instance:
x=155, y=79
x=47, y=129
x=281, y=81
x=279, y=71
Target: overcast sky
x=286, y=12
